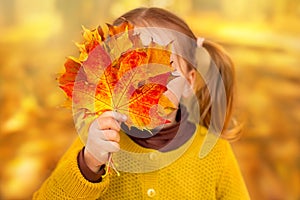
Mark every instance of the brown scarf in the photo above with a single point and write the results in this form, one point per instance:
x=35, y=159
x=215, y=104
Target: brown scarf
x=172, y=137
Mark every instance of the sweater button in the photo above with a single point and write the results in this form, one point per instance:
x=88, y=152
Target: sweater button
x=151, y=192
x=153, y=156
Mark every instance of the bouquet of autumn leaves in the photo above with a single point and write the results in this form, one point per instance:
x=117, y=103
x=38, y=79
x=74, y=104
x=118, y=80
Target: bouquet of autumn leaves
x=116, y=71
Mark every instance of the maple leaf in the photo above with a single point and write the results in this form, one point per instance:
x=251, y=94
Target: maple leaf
x=68, y=78
x=116, y=72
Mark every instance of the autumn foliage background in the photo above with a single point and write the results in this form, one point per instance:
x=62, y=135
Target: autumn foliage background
x=263, y=37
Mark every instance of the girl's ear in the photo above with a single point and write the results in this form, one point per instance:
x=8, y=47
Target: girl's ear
x=190, y=84
x=191, y=77
x=195, y=80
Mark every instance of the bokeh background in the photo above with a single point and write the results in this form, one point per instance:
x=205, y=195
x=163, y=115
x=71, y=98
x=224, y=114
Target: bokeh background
x=263, y=37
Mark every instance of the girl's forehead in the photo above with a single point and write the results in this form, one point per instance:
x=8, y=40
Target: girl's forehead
x=156, y=34
x=164, y=36
x=181, y=44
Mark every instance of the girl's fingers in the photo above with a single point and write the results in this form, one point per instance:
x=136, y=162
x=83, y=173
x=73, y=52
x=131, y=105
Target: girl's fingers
x=109, y=135
x=117, y=116
x=110, y=120
x=106, y=123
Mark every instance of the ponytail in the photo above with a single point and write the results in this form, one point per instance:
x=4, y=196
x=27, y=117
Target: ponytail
x=225, y=67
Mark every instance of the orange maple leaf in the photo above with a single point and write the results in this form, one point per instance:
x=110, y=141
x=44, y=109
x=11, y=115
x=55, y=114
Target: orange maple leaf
x=116, y=72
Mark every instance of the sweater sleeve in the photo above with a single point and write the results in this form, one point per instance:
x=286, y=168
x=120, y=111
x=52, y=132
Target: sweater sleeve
x=67, y=182
x=231, y=184
x=87, y=173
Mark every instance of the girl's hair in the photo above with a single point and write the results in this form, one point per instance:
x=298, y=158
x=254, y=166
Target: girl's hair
x=158, y=17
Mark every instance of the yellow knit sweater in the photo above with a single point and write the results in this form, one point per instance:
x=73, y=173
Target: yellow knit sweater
x=216, y=176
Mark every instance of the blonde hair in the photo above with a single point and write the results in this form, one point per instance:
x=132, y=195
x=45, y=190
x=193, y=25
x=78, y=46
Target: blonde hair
x=158, y=17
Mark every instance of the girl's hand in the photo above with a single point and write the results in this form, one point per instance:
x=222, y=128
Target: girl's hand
x=103, y=138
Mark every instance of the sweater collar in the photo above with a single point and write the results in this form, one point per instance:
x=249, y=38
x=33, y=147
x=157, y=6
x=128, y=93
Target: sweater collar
x=169, y=138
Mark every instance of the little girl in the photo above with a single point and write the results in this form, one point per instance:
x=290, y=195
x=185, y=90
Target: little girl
x=184, y=159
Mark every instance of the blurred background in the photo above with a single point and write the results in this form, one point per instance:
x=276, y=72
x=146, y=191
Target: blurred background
x=263, y=37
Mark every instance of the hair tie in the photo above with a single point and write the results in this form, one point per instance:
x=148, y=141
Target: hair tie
x=200, y=41
x=123, y=18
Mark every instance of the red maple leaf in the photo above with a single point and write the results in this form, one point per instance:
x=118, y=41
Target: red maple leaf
x=116, y=72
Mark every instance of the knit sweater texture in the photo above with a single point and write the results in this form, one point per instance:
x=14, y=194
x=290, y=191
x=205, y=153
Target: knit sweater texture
x=178, y=174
